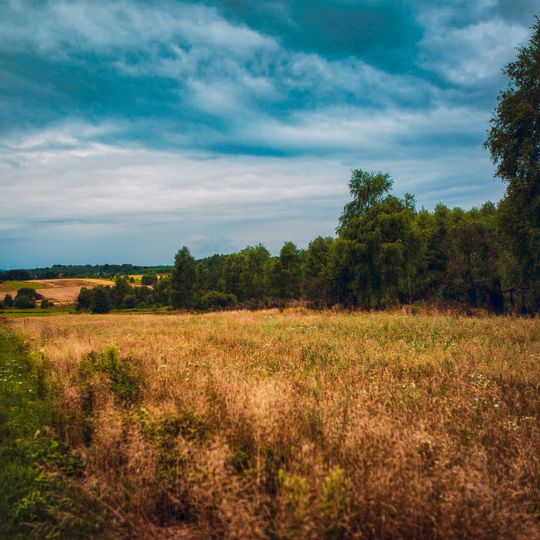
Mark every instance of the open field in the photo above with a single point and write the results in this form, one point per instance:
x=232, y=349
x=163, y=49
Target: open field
x=299, y=424
x=60, y=291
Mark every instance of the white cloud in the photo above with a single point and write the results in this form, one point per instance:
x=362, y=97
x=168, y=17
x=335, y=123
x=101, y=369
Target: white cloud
x=472, y=54
x=66, y=27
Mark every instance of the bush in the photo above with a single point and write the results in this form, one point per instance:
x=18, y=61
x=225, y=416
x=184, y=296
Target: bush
x=149, y=279
x=101, y=300
x=218, y=300
x=129, y=301
x=8, y=301
x=26, y=298
x=46, y=304
x=84, y=300
x=125, y=382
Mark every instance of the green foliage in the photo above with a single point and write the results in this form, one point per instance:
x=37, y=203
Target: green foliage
x=123, y=378
x=101, y=300
x=218, y=300
x=84, y=299
x=8, y=301
x=129, y=301
x=184, y=286
x=284, y=273
x=366, y=189
x=316, y=272
x=37, y=499
x=335, y=503
x=251, y=279
x=46, y=304
x=149, y=279
x=121, y=289
x=375, y=239
x=26, y=298
x=514, y=145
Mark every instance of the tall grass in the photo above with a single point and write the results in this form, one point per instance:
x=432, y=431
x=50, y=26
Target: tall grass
x=301, y=424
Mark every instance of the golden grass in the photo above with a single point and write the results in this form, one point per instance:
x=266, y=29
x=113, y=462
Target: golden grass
x=63, y=291
x=303, y=424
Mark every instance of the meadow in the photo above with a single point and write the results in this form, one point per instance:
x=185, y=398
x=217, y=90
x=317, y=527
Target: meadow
x=295, y=424
x=62, y=291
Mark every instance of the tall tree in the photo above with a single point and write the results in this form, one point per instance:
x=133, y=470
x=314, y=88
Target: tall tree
x=374, y=238
x=184, y=280
x=251, y=282
x=101, y=300
x=316, y=282
x=284, y=273
x=514, y=143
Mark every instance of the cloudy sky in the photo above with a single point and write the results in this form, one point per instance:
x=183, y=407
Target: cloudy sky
x=131, y=128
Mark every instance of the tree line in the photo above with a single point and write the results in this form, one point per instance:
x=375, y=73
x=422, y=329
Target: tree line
x=80, y=271
x=386, y=253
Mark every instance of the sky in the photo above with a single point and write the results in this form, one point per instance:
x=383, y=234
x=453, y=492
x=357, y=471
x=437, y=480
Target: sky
x=131, y=128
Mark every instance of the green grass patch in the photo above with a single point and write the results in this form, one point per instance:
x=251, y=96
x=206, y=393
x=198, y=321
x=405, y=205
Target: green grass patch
x=7, y=286
x=39, y=497
x=14, y=313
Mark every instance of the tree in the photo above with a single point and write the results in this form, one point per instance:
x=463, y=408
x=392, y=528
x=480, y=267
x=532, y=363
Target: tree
x=316, y=283
x=218, y=300
x=283, y=273
x=366, y=189
x=121, y=289
x=8, y=301
x=514, y=143
x=372, y=252
x=184, y=290
x=26, y=298
x=149, y=279
x=162, y=292
x=84, y=299
x=101, y=300
x=252, y=283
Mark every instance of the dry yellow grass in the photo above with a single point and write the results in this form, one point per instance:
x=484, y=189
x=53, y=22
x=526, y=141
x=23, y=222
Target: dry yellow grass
x=302, y=424
x=60, y=291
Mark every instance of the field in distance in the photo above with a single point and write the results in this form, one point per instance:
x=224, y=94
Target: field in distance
x=63, y=291
x=300, y=424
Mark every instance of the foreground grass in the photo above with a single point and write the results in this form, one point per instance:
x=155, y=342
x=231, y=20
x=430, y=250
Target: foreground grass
x=36, y=500
x=301, y=424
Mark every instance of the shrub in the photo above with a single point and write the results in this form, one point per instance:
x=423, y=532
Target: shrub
x=218, y=300
x=335, y=502
x=125, y=383
x=129, y=301
x=8, y=301
x=149, y=279
x=101, y=300
x=26, y=298
x=84, y=300
x=46, y=304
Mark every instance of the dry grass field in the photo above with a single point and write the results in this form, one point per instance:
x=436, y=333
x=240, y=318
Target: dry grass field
x=300, y=424
x=59, y=291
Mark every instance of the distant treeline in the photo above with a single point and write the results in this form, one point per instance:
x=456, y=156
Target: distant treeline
x=81, y=271
x=386, y=253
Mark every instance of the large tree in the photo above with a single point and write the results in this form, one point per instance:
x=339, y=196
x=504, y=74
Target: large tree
x=184, y=288
x=514, y=143
x=373, y=252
